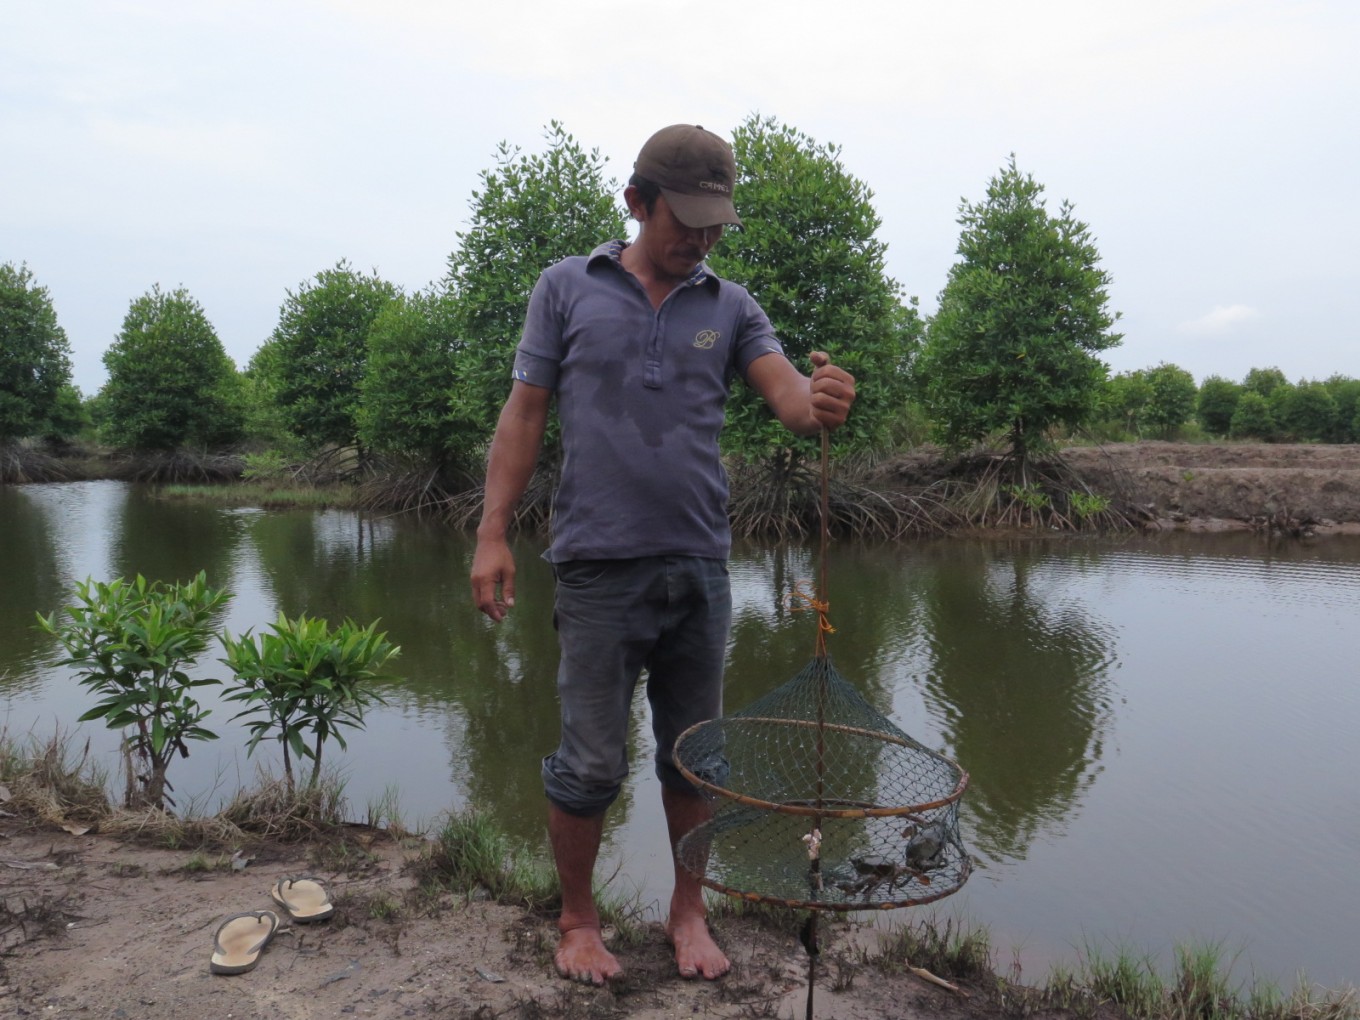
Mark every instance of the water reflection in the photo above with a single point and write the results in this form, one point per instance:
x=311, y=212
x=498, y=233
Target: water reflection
x=32, y=585
x=1227, y=742
x=1026, y=705
x=871, y=604
x=1013, y=673
x=164, y=540
x=490, y=689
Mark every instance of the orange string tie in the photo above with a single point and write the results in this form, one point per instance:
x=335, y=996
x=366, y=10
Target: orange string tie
x=800, y=600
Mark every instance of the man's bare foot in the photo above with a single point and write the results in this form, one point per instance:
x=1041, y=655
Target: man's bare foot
x=581, y=956
x=695, y=951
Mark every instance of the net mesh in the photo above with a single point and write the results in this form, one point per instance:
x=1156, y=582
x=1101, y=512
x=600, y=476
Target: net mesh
x=824, y=802
x=863, y=863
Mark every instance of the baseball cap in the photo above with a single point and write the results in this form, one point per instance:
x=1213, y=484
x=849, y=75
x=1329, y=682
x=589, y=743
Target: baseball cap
x=696, y=172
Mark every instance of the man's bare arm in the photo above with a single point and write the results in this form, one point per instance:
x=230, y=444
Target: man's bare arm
x=805, y=405
x=509, y=467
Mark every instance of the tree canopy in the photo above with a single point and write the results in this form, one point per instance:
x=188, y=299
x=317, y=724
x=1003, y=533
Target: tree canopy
x=1306, y=411
x=407, y=402
x=1171, y=399
x=1346, y=392
x=1251, y=417
x=35, y=357
x=810, y=255
x=1215, y=404
x=319, y=351
x=1264, y=381
x=171, y=383
x=532, y=210
x=1022, y=317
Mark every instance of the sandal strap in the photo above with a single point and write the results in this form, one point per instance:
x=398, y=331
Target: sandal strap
x=265, y=916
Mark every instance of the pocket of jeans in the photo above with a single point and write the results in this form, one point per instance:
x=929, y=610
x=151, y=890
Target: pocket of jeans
x=580, y=573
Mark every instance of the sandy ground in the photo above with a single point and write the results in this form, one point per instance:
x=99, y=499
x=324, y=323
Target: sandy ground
x=93, y=927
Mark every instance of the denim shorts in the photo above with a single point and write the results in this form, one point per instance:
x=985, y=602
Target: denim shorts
x=669, y=615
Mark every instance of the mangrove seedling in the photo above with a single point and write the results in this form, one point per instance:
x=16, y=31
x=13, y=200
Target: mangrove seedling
x=132, y=644
x=305, y=678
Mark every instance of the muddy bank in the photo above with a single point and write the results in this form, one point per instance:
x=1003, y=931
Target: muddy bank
x=1226, y=485
x=1199, y=486
x=94, y=927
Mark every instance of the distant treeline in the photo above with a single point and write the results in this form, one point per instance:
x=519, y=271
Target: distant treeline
x=417, y=379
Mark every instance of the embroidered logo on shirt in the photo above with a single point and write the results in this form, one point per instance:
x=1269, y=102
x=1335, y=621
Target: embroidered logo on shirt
x=706, y=338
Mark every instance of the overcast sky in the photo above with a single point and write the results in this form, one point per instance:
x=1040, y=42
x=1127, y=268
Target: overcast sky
x=236, y=149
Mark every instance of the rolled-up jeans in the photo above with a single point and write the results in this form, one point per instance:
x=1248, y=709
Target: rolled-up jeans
x=669, y=615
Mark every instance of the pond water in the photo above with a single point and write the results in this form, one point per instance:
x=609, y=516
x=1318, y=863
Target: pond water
x=1160, y=731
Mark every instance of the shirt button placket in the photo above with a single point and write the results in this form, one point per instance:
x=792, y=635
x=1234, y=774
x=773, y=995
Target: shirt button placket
x=651, y=375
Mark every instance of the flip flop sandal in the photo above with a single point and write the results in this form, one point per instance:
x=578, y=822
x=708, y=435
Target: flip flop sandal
x=304, y=899
x=240, y=939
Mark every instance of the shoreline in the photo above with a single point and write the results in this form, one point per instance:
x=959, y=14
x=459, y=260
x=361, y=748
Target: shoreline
x=99, y=909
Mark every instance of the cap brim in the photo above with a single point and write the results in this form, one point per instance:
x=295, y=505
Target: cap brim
x=699, y=211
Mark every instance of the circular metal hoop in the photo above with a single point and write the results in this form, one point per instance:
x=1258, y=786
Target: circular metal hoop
x=909, y=779
x=863, y=864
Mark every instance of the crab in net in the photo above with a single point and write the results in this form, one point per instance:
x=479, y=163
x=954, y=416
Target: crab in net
x=822, y=802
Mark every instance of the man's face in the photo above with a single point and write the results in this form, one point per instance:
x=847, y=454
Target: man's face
x=673, y=248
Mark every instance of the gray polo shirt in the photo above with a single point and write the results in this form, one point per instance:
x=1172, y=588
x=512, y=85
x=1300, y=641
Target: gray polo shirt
x=640, y=394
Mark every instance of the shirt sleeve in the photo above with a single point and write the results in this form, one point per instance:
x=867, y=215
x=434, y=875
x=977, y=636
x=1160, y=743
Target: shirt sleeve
x=536, y=371
x=540, y=349
x=756, y=336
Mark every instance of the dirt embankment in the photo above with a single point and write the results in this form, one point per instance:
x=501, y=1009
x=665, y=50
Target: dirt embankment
x=1246, y=484
x=93, y=927
x=1200, y=486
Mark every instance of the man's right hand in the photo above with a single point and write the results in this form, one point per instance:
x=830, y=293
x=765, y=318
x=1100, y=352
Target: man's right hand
x=493, y=578
x=509, y=466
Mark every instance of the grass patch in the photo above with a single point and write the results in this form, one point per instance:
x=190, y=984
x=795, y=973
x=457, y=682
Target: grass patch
x=341, y=852
x=1125, y=979
x=384, y=813
x=950, y=950
x=268, y=495
x=1305, y=1003
x=158, y=828
x=53, y=781
x=267, y=811
x=357, y=907
x=270, y=810
x=620, y=910
x=470, y=853
x=472, y=857
x=383, y=908
x=200, y=864
x=1199, y=988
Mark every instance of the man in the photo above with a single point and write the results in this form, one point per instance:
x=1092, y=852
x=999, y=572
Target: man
x=638, y=343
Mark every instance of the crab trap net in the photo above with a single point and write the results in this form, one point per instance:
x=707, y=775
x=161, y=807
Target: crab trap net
x=822, y=802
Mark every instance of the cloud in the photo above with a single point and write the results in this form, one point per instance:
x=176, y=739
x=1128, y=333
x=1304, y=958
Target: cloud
x=1223, y=319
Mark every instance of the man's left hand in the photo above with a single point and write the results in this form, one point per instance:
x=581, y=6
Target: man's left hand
x=833, y=391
